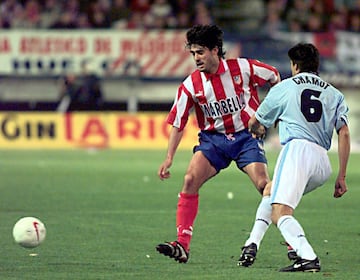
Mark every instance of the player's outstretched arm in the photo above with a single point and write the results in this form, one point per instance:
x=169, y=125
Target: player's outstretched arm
x=174, y=140
x=343, y=154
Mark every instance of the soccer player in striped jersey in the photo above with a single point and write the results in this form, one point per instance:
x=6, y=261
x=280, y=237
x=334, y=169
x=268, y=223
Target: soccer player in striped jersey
x=223, y=94
x=308, y=110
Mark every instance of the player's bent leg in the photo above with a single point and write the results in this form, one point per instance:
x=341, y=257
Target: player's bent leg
x=258, y=174
x=257, y=171
x=199, y=171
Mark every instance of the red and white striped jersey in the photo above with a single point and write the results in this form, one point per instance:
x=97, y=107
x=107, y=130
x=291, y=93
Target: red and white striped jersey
x=224, y=101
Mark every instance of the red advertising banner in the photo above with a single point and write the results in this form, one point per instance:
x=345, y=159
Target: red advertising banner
x=146, y=53
x=162, y=54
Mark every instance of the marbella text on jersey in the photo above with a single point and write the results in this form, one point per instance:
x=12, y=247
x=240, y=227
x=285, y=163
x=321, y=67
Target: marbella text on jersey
x=223, y=107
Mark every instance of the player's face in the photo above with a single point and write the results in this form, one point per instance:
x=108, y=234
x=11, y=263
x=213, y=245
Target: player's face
x=206, y=60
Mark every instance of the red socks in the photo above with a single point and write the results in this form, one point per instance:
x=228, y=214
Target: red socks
x=187, y=209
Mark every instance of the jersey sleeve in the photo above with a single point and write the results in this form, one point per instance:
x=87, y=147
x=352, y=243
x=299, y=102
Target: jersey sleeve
x=179, y=113
x=271, y=107
x=342, y=114
x=263, y=73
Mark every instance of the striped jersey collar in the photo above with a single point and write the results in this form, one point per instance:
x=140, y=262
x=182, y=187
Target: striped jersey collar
x=221, y=70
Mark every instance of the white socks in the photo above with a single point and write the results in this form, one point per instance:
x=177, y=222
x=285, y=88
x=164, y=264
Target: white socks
x=294, y=234
x=262, y=222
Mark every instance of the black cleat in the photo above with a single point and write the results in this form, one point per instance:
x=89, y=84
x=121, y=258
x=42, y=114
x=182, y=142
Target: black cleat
x=248, y=255
x=302, y=265
x=173, y=250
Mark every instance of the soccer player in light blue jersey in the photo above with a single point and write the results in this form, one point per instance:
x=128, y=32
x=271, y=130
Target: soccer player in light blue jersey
x=308, y=110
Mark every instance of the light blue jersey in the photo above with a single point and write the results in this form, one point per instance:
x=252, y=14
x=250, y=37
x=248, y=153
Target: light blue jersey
x=306, y=107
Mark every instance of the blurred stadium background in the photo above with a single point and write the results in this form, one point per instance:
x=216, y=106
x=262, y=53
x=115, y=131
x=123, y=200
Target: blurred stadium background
x=121, y=62
x=133, y=53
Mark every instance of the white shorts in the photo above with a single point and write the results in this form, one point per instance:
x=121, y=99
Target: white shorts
x=301, y=167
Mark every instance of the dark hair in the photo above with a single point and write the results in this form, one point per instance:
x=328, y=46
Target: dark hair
x=209, y=36
x=306, y=56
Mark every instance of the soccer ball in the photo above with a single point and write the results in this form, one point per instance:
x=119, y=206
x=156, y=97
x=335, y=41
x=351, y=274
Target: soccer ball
x=29, y=232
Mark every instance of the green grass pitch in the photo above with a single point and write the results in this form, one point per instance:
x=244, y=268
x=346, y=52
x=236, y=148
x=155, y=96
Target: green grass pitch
x=106, y=210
